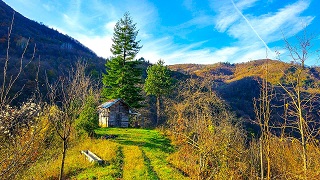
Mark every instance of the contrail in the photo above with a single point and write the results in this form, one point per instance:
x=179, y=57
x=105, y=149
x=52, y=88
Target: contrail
x=250, y=25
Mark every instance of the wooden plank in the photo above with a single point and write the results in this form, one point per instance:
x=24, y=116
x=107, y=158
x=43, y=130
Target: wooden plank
x=92, y=157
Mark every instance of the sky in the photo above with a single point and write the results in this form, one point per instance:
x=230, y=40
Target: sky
x=186, y=31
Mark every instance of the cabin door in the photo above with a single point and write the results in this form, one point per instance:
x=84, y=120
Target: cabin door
x=104, y=121
x=118, y=120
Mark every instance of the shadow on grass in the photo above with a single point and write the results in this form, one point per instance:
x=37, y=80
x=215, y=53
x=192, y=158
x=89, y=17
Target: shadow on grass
x=118, y=161
x=74, y=172
x=151, y=172
x=152, y=143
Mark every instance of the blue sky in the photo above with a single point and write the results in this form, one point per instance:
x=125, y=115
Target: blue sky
x=185, y=31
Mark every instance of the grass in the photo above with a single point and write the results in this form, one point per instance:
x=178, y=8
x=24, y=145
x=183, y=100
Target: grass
x=132, y=154
x=151, y=146
x=134, y=166
x=151, y=172
x=118, y=163
x=76, y=165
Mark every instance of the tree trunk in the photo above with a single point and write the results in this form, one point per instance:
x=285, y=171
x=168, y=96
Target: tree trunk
x=303, y=142
x=261, y=157
x=302, y=129
x=64, y=144
x=158, y=110
x=268, y=156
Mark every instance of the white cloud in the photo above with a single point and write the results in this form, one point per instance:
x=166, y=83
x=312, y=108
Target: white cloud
x=248, y=46
x=188, y=4
x=171, y=53
x=48, y=7
x=227, y=15
x=271, y=27
x=225, y=53
x=110, y=26
x=199, y=21
x=99, y=44
x=159, y=44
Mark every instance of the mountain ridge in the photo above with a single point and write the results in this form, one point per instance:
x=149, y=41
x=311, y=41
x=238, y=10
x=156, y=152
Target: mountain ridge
x=55, y=53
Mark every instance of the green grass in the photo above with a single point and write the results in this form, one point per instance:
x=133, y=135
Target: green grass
x=151, y=139
x=118, y=163
x=133, y=154
x=155, y=150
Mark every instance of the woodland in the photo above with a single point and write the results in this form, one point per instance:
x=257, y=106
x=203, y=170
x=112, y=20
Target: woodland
x=252, y=120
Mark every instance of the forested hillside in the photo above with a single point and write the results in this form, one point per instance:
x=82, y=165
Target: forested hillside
x=53, y=52
x=238, y=84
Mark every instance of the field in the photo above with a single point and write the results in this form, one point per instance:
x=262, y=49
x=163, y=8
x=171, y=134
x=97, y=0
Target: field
x=131, y=154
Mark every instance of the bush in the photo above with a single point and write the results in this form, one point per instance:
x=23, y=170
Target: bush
x=88, y=119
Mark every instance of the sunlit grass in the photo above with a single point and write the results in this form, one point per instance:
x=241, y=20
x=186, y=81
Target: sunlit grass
x=75, y=162
x=142, y=154
x=134, y=167
x=161, y=166
x=156, y=149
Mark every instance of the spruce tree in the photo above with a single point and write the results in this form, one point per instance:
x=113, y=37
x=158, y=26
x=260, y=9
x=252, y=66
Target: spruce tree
x=158, y=83
x=123, y=76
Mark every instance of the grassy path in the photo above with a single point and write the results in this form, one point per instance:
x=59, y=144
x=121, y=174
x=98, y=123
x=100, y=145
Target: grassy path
x=134, y=165
x=133, y=154
x=145, y=153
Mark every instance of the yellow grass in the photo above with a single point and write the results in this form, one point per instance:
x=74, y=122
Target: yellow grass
x=161, y=166
x=75, y=162
x=134, y=167
x=145, y=155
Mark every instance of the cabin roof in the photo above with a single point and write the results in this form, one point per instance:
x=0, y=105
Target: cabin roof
x=114, y=101
x=109, y=103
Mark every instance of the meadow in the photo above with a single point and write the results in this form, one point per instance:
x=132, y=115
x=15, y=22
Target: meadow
x=131, y=154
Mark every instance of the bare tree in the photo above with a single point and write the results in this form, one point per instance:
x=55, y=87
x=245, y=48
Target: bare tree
x=300, y=103
x=262, y=108
x=302, y=51
x=67, y=96
x=209, y=141
x=22, y=130
x=8, y=81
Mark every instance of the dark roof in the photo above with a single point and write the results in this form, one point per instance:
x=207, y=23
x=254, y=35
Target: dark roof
x=114, y=101
x=110, y=103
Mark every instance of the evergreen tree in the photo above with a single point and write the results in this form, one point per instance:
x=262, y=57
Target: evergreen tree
x=88, y=119
x=158, y=83
x=123, y=76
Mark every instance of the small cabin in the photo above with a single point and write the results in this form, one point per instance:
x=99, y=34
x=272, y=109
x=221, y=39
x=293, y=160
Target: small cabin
x=114, y=113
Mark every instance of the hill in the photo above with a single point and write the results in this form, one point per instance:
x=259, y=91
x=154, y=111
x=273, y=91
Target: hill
x=55, y=51
x=227, y=72
x=130, y=154
x=238, y=84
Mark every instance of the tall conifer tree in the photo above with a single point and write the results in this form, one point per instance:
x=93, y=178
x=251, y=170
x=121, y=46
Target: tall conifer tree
x=123, y=76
